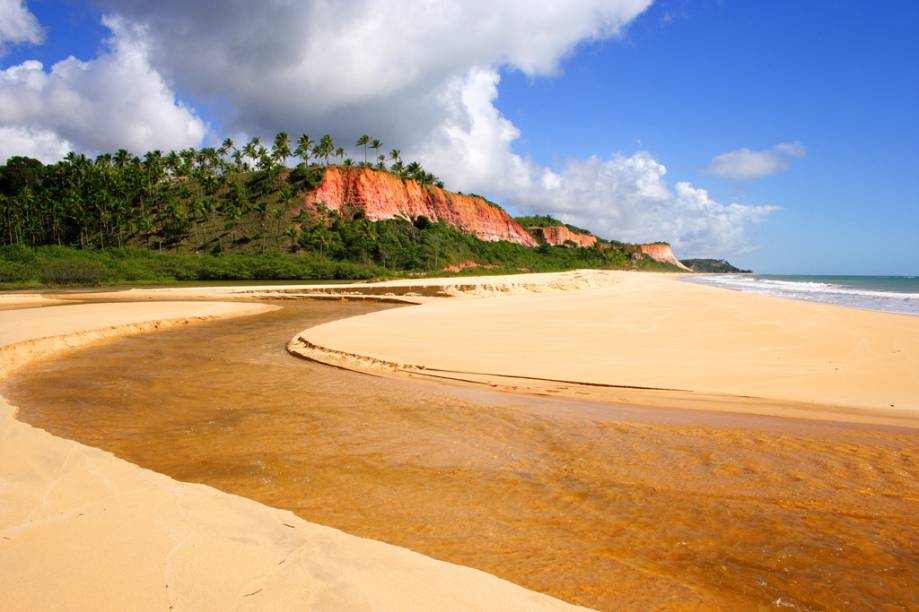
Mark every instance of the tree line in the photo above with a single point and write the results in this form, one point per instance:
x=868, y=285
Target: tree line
x=114, y=198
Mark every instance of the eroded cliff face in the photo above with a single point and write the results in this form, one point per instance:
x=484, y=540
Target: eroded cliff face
x=663, y=253
x=560, y=234
x=382, y=195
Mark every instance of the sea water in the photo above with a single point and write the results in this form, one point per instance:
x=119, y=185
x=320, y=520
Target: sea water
x=886, y=293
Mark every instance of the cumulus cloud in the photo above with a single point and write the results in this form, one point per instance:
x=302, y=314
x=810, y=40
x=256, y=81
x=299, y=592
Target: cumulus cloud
x=41, y=144
x=115, y=100
x=18, y=25
x=625, y=197
x=363, y=65
x=422, y=76
x=744, y=164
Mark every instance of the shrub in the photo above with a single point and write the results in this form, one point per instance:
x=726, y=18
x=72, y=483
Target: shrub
x=73, y=271
x=12, y=271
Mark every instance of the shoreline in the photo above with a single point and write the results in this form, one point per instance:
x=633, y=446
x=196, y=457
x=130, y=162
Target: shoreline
x=795, y=294
x=83, y=527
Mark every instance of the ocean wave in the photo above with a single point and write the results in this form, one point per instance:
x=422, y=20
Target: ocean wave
x=827, y=292
x=767, y=285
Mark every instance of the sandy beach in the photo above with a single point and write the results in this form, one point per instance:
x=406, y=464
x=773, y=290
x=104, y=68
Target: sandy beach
x=83, y=530
x=388, y=306
x=565, y=488
x=653, y=340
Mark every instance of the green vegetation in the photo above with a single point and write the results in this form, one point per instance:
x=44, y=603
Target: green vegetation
x=712, y=266
x=54, y=265
x=234, y=213
x=548, y=221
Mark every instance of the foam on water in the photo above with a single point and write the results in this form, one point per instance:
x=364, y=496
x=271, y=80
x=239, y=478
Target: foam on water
x=898, y=294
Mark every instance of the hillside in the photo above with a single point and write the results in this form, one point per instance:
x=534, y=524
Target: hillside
x=196, y=215
x=713, y=266
x=549, y=230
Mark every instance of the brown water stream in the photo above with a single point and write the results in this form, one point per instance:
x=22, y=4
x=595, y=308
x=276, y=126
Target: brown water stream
x=608, y=506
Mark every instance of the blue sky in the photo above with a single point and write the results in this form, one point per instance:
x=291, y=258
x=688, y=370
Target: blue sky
x=841, y=77
x=688, y=80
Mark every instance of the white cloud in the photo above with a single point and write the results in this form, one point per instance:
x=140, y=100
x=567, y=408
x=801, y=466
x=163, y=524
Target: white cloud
x=624, y=197
x=744, y=164
x=41, y=144
x=360, y=66
x=423, y=76
x=116, y=100
x=18, y=25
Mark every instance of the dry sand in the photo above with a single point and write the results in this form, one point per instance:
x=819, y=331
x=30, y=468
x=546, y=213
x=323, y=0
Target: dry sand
x=80, y=529
x=407, y=290
x=696, y=346
x=83, y=530
x=20, y=300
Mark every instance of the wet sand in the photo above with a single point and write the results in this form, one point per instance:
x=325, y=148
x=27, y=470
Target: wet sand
x=614, y=507
x=81, y=529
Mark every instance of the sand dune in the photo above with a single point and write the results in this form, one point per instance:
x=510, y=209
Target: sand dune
x=83, y=530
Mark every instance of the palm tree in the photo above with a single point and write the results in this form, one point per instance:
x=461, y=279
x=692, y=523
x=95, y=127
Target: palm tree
x=375, y=144
x=340, y=152
x=226, y=147
x=304, y=148
x=325, y=148
x=251, y=151
x=238, y=160
x=364, y=141
x=281, y=149
x=121, y=158
x=171, y=163
x=292, y=233
x=381, y=162
x=265, y=162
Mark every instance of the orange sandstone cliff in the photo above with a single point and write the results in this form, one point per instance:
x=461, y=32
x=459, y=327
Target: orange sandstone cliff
x=661, y=252
x=382, y=195
x=560, y=235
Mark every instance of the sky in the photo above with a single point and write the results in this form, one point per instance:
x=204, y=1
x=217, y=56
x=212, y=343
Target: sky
x=780, y=135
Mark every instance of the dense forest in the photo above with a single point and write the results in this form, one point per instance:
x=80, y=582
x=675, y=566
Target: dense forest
x=229, y=213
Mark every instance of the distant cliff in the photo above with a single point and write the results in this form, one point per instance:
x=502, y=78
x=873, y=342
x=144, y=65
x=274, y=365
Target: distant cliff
x=713, y=266
x=662, y=252
x=561, y=235
x=549, y=230
x=381, y=195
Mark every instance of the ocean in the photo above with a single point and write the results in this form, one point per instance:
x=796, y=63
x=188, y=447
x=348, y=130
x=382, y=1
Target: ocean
x=898, y=294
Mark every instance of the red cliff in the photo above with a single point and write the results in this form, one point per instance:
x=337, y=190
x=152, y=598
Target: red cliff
x=382, y=195
x=661, y=252
x=560, y=235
